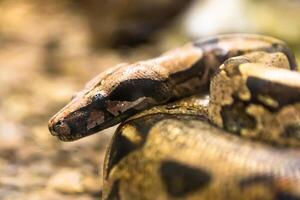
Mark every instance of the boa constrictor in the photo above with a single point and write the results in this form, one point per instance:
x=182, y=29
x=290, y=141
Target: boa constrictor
x=242, y=84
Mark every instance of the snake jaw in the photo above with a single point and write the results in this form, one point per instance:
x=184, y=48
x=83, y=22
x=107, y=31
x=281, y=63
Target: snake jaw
x=60, y=128
x=71, y=122
x=89, y=113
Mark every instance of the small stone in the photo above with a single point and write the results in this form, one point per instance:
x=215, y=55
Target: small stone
x=92, y=184
x=67, y=180
x=11, y=134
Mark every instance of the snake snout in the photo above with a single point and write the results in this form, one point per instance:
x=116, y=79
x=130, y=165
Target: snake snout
x=59, y=128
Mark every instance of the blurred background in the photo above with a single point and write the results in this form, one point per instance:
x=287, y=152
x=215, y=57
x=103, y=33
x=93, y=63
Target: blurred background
x=49, y=49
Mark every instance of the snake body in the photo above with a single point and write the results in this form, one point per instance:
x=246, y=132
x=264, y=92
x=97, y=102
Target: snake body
x=182, y=150
x=162, y=155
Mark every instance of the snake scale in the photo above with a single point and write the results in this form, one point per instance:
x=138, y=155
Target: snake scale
x=215, y=119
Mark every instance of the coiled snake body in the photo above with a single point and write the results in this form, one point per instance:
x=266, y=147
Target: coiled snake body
x=242, y=84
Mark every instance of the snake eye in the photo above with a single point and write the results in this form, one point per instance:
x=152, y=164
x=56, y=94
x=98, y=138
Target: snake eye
x=98, y=97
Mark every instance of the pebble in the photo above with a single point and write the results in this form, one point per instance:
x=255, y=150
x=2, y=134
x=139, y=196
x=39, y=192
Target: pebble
x=67, y=180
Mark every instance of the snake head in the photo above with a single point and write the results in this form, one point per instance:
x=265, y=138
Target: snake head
x=102, y=105
x=85, y=114
x=82, y=116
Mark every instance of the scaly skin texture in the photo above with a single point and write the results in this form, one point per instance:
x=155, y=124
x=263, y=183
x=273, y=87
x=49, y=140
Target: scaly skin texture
x=179, y=157
x=237, y=140
x=127, y=89
x=174, y=152
x=250, y=98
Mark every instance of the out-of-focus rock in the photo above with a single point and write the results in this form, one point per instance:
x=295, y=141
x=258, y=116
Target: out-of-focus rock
x=277, y=18
x=10, y=133
x=74, y=181
x=212, y=17
x=92, y=184
x=280, y=18
x=67, y=180
x=128, y=22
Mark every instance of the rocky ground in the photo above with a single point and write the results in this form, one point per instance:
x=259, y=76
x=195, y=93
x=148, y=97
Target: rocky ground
x=45, y=56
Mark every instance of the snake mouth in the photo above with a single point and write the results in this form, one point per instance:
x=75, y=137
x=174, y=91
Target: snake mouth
x=65, y=138
x=63, y=131
x=70, y=138
x=87, y=132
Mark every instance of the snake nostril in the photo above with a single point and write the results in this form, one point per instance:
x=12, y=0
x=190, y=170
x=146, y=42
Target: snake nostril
x=52, y=130
x=61, y=128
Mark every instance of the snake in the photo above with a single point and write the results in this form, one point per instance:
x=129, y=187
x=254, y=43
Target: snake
x=218, y=118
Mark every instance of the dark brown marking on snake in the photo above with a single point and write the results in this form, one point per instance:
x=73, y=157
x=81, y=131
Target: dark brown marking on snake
x=214, y=47
x=286, y=196
x=122, y=146
x=256, y=179
x=131, y=90
x=283, y=94
x=197, y=69
x=77, y=121
x=143, y=125
x=231, y=65
x=287, y=51
x=267, y=181
x=180, y=179
x=114, y=193
x=207, y=43
x=213, y=52
x=235, y=117
x=292, y=131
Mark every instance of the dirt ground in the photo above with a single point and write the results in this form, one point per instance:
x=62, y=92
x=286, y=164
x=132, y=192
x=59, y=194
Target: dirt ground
x=43, y=61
